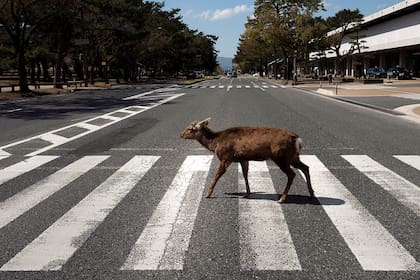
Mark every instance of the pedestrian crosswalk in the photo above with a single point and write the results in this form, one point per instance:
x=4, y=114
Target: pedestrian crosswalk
x=276, y=252
x=265, y=241
x=244, y=86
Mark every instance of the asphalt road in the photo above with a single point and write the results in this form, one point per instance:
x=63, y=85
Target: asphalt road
x=133, y=207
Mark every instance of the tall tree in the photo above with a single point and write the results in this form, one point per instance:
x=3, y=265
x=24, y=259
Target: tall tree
x=339, y=24
x=21, y=19
x=283, y=27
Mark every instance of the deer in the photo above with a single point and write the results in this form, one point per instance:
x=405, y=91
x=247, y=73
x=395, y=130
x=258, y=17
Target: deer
x=244, y=144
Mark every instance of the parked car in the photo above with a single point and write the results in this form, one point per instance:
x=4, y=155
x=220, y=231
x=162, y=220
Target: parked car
x=376, y=73
x=399, y=73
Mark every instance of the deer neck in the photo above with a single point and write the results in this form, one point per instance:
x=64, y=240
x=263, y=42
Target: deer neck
x=208, y=139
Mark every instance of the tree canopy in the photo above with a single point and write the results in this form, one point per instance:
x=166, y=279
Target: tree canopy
x=286, y=32
x=99, y=38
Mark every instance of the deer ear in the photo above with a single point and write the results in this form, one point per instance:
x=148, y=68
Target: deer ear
x=203, y=123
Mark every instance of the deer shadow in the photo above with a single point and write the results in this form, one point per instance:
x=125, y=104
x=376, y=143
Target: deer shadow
x=291, y=198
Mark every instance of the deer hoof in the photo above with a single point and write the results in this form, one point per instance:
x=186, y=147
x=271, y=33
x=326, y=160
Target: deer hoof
x=282, y=199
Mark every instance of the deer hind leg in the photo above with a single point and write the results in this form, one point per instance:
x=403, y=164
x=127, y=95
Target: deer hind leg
x=290, y=176
x=305, y=169
x=245, y=167
x=223, y=166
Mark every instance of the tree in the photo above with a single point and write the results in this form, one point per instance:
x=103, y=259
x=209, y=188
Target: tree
x=121, y=35
x=339, y=24
x=21, y=19
x=282, y=27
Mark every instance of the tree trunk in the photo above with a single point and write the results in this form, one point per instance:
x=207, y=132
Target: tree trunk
x=45, y=75
x=23, y=80
x=33, y=73
x=59, y=61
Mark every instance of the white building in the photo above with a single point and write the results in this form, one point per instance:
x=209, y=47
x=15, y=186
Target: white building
x=392, y=38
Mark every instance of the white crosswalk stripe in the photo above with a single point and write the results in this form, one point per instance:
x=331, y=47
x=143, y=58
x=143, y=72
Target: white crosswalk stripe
x=4, y=156
x=240, y=86
x=265, y=242
x=18, y=204
x=413, y=161
x=403, y=190
x=373, y=246
x=22, y=167
x=52, y=249
x=164, y=241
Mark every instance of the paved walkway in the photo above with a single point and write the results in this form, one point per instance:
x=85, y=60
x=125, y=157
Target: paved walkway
x=397, y=96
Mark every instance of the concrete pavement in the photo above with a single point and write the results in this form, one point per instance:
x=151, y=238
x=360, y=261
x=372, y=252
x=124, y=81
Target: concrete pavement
x=400, y=97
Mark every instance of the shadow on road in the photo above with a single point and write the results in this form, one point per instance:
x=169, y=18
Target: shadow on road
x=291, y=199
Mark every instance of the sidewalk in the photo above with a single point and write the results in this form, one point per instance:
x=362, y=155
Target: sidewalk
x=401, y=97
x=8, y=95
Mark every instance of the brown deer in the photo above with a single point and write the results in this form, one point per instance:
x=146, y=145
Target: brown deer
x=242, y=144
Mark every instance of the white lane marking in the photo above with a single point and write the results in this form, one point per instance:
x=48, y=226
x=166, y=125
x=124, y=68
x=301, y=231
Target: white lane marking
x=274, y=86
x=105, y=116
x=265, y=241
x=18, y=204
x=413, y=161
x=230, y=85
x=56, y=141
x=373, y=246
x=247, y=86
x=238, y=86
x=24, y=166
x=52, y=249
x=404, y=191
x=54, y=138
x=165, y=239
x=265, y=86
x=4, y=156
x=221, y=86
x=212, y=86
x=14, y=110
x=4, y=153
x=160, y=90
x=112, y=118
x=87, y=126
x=257, y=86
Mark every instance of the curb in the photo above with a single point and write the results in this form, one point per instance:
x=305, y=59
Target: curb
x=329, y=95
x=382, y=109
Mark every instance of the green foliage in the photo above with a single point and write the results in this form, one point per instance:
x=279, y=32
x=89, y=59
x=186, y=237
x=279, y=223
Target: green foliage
x=279, y=29
x=286, y=29
x=129, y=36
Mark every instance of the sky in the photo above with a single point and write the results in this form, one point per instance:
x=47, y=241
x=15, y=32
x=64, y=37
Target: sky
x=226, y=19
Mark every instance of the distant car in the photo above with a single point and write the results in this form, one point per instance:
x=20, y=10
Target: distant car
x=376, y=73
x=399, y=73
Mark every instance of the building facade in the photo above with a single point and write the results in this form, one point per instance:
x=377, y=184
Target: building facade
x=387, y=39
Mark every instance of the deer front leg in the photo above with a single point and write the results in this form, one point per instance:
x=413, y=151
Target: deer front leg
x=220, y=171
x=245, y=167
